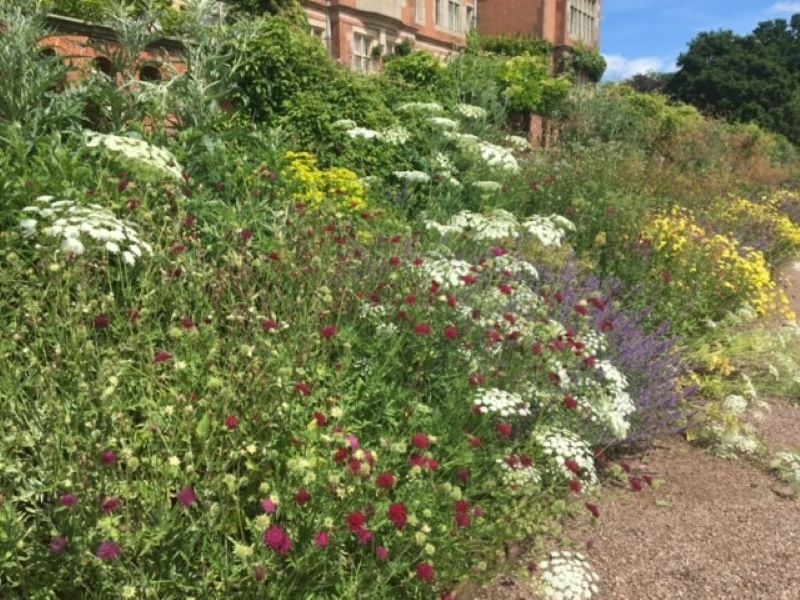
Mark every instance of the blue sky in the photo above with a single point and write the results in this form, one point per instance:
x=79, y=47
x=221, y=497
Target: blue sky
x=641, y=35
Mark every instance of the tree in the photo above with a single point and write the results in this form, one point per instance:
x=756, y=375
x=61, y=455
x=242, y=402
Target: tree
x=650, y=82
x=745, y=78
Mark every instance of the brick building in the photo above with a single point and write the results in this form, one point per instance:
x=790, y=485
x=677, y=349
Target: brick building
x=358, y=32
x=564, y=23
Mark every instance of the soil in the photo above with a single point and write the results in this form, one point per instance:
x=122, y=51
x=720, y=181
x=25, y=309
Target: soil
x=716, y=530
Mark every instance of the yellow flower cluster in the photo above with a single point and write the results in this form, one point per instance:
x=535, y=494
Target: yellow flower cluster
x=334, y=187
x=711, y=269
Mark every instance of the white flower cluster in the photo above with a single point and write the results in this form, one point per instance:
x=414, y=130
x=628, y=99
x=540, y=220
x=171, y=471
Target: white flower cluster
x=568, y=576
x=735, y=403
x=71, y=221
x=470, y=111
x=501, y=402
x=594, y=341
x=466, y=141
x=519, y=475
x=138, y=152
x=412, y=176
x=395, y=135
x=447, y=271
x=344, y=124
x=612, y=405
x=443, y=122
x=550, y=231
x=508, y=263
x=497, y=157
x=363, y=132
x=443, y=164
x=560, y=446
x=487, y=186
x=518, y=143
x=787, y=464
x=423, y=107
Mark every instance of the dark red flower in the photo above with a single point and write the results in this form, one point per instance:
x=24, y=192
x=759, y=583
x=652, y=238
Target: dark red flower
x=321, y=539
x=420, y=440
x=302, y=497
x=187, y=323
x=666, y=277
x=575, y=486
x=162, y=356
x=68, y=500
x=463, y=519
x=397, y=515
x=320, y=419
x=468, y=279
x=422, y=329
x=133, y=315
x=329, y=331
x=385, y=481
x=415, y=460
x=186, y=497
x=395, y=261
x=382, y=553
x=108, y=551
x=648, y=479
x=246, y=234
x=303, y=388
x=355, y=521
x=581, y=309
x=275, y=537
x=504, y=429
x=232, y=422
x=499, y=251
x=451, y=332
x=477, y=379
x=636, y=484
x=341, y=455
x=570, y=402
x=355, y=466
x=475, y=441
x=110, y=505
x=425, y=572
x=101, y=321
x=572, y=465
x=462, y=506
x=594, y=509
x=464, y=475
x=133, y=204
x=59, y=545
x=269, y=325
x=108, y=458
x=506, y=289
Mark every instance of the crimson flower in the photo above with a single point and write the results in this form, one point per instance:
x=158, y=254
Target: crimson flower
x=636, y=484
x=499, y=251
x=464, y=475
x=648, y=479
x=422, y=329
x=186, y=497
x=269, y=506
x=364, y=536
x=572, y=465
x=321, y=539
x=68, y=500
x=506, y=289
x=594, y=509
x=570, y=402
x=504, y=429
x=451, y=332
x=420, y=440
x=329, y=331
x=468, y=279
x=356, y=521
x=321, y=419
x=385, y=481
x=394, y=261
x=382, y=553
x=397, y=515
x=575, y=486
x=355, y=466
x=425, y=573
x=162, y=356
x=303, y=388
x=133, y=315
x=102, y=321
x=246, y=234
x=462, y=506
x=269, y=325
x=108, y=551
x=59, y=545
x=108, y=458
x=276, y=539
x=477, y=379
x=110, y=505
x=232, y=422
x=302, y=497
x=463, y=519
x=432, y=464
x=415, y=460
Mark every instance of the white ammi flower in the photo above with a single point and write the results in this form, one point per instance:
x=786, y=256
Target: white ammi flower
x=568, y=576
x=137, y=152
x=412, y=176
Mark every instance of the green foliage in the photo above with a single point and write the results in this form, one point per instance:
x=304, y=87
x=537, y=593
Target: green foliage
x=278, y=61
x=745, y=78
x=529, y=87
x=586, y=61
x=515, y=46
x=420, y=73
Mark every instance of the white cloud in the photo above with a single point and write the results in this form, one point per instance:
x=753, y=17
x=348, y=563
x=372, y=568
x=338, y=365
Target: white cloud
x=785, y=7
x=620, y=67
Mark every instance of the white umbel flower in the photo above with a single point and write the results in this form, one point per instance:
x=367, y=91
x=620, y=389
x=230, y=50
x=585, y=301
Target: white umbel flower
x=137, y=152
x=568, y=576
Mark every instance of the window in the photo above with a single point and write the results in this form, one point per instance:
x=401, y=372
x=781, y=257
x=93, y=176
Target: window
x=438, y=12
x=583, y=20
x=421, y=12
x=453, y=15
x=149, y=73
x=471, y=18
x=362, y=52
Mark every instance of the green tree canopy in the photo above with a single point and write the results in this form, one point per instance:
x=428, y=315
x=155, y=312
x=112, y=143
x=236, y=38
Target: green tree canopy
x=755, y=77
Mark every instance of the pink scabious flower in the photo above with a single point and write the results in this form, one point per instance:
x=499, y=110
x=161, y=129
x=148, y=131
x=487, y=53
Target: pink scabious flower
x=382, y=553
x=102, y=321
x=110, y=505
x=329, y=331
x=59, y=545
x=420, y=440
x=108, y=551
x=268, y=506
x=162, y=356
x=68, y=500
x=364, y=536
x=398, y=515
x=425, y=573
x=353, y=442
x=321, y=540
x=186, y=497
x=276, y=539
